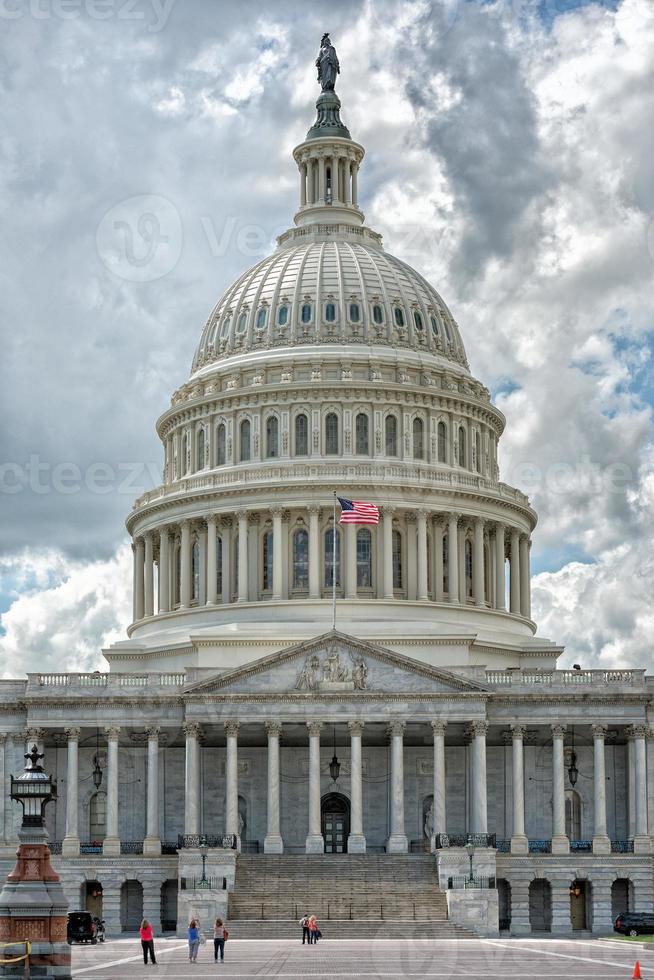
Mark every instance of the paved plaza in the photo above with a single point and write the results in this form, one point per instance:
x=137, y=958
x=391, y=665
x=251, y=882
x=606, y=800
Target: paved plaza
x=483, y=958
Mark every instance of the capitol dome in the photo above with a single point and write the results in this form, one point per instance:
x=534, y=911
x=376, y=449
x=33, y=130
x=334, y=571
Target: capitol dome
x=330, y=368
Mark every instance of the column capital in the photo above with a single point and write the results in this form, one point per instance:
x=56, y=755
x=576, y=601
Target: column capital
x=231, y=728
x=388, y=510
x=112, y=733
x=274, y=728
x=599, y=731
x=314, y=509
x=3, y=738
x=185, y=523
x=637, y=731
x=152, y=731
x=191, y=728
x=226, y=522
x=396, y=727
x=479, y=521
x=212, y=519
x=314, y=727
x=422, y=514
x=277, y=511
x=73, y=733
x=453, y=515
x=479, y=728
x=518, y=731
x=438, y=727
x=558, y=731
x=34, y=734
x=439, y=520
x=356, y=727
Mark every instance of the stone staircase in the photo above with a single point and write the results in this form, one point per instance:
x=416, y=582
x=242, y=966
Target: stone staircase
x=353, y=895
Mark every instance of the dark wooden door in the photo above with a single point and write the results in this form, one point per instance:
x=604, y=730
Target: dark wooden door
x=335, y=824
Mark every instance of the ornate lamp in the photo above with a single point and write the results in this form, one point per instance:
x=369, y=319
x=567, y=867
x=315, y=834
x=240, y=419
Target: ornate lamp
x=97, y=771
x=33, y=789
x=204, y=881
x=470, y=848
x=334, y=765
x=573, y=772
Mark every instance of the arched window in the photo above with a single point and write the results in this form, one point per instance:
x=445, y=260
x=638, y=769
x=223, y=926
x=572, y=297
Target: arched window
x=462, y=446
x=361, y=426
x=398, y=313
x=364, y=558
x=355, y=314
x=245, y=440
x=330, y=312
x=448, y=332
x=468, y=567
x=224, y=330
x=397, y=560
x=242, y=323
x=267, y=555
x=219, y=566
x=305, y=314
x=572, y=815
x=329, y=558
x=221, y=445
x=195, y=571
x=377, y=313
x=417, y=319
x=282, y=316
x=272, y=436
x=442, y=442
x=200, y=450
x=418, y=439
x=434, y=325
x=301, y=559
x=261, y=317
x=184, y=454
x=331, y=434
x=478, y=452
x=301, y=435
x=390, y=434
x=98, y=816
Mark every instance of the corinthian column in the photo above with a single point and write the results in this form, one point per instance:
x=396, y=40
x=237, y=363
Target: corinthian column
x=525, y=577
x=519, y=841
x=149, y=575
x=111, y=844
x=192, y=779
x=387, y=551
x=560, y=842
x=164, y=577
x=278, y=556
x=273, y=844
x=243, y=571
x=453, y=557
x=139, y=583
x=356, y=841
x=70, y=845
x=514, y=580
x=479, y=808
x=185, y=566
x=350, y=561
x=601, y=842
x=500, y=578
x=642, y=843
x=478, y=562
x=438, y=559
x=423, y=578
x=152, y=842
x=212, y=569
x=315, y=843
x=440, y=802
x=231, y=782
x=314, y=552
x=397, y=842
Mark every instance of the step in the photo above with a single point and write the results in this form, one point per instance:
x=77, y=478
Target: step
x=344, y=929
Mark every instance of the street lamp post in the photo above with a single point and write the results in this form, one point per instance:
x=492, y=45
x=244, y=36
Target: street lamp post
x=204, y=881
x=470, y=848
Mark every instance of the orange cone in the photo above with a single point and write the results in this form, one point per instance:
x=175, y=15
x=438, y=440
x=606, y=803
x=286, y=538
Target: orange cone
x=636, y=974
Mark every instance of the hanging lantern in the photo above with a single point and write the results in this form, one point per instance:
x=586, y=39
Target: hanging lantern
x=97, y=771
x=334, y=765
x=573, y=772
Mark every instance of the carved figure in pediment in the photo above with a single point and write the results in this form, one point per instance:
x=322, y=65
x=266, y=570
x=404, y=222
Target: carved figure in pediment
x=360, y=675
x=333, y=671
x=308, y=679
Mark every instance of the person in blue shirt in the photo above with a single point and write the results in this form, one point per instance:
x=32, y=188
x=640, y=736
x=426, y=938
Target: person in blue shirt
x=193, y=941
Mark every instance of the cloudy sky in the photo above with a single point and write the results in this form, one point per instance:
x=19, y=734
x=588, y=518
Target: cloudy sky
x=510, y=153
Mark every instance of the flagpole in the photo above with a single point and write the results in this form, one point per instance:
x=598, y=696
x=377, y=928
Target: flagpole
x=334, y=567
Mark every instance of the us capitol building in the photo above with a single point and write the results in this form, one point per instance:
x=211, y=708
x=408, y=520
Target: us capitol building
x=234, y=725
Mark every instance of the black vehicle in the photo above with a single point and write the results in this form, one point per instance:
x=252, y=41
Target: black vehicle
x=83, y=927
x=635, y=924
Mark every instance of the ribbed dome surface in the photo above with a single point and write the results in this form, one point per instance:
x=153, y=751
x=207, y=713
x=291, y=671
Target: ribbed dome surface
x=343, y=289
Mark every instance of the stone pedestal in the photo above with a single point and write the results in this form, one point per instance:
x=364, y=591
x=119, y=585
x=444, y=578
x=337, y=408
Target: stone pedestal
x=560, y=844
x=519, y=844
x=601, y=844
x=642, y=844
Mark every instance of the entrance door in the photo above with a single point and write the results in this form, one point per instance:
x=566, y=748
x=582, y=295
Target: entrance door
x=335, y=810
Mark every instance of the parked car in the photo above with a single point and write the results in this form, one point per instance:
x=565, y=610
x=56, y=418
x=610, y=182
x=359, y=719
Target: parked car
x=635, y=923
x=83, y=927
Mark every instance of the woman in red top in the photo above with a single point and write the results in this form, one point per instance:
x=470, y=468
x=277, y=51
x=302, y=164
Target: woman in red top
x=147, y=942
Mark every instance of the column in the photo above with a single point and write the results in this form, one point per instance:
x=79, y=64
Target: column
x=139, y=583
x=212, y=570
x=440, y=803
x=315, y=843
x=560, y=842
x=111, y=845
x=387, y=540
x=314, y=552
x=70, y=845
x=134, y=578
x=437, y=537
x=397, y=842
x=164, y=567
x=3, y=780
x=356, y=842
x=519, y=841
x=226, y=534
x=149, y=575
x=500, y=581
x=152, y=842
x=642, y=843
x=355, y=192
x=202, y=565
x=278, y=556
x=243, y=571
x=321, y=180
x=601, y=842
x=423, y=591
x=478, y=562
x=231, y=782
x=350, y=561
x=185, y=566
x=479, y=805
x=347, y=177
x=525, y=584
x=303, y=184
x=453, y=557
x=273, y=844
x=192, y=779
x=514, y=578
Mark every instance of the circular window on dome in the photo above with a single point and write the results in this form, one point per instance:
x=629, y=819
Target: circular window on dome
x=224, y=330
x=305, y=314
x=355, y=313
x=262, y=314
x=330, y=312
x=377, y=313
x=282, y=316
x=434, y=325
x=241, y=323
x=417, y=319
x=398, y=313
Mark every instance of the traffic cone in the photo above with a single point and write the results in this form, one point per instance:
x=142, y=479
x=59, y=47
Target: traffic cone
x=637, y=975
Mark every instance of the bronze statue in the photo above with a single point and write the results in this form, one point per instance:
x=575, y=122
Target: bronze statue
x=327, y=64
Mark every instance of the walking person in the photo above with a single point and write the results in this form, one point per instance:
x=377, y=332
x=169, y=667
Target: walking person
x=306, y=933
x=147, y=942
x=314, y=931
x=193, y=941
x=220, y=935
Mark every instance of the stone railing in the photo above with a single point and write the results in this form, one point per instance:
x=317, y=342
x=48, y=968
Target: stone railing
x=328, y=472
x=95, y=679
x=461, y=840
x=533, y=679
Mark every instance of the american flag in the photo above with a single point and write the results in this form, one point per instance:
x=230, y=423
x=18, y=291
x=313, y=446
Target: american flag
x=358, y=512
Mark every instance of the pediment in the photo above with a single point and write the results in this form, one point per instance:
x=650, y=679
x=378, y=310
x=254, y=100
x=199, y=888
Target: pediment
x=336, y=664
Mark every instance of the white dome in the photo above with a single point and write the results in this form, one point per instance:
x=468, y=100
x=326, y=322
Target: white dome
x=331, y=283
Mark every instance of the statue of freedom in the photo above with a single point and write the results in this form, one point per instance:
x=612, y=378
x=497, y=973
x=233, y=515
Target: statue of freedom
x=327, y=64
